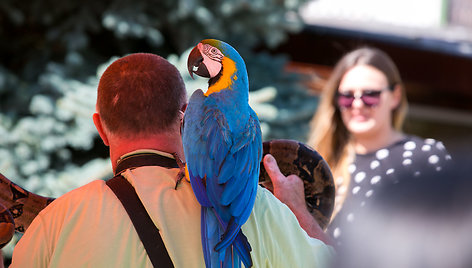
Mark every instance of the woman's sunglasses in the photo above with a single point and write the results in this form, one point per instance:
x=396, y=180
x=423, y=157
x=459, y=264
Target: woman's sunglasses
x=369, y=97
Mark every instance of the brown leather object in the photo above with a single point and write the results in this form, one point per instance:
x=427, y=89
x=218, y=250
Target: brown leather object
x=22, y=204
x=294, y=157
x=7, y=226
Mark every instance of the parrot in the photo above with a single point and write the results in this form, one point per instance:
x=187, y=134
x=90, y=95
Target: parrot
x=222, y=144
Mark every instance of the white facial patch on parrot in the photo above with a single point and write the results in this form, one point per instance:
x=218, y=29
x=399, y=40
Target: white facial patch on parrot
x=212, y=58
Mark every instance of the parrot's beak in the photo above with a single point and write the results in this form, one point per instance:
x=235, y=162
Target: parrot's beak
x=195, y=63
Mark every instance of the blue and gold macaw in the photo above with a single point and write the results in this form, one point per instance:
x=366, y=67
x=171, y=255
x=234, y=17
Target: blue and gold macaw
x=223, y=150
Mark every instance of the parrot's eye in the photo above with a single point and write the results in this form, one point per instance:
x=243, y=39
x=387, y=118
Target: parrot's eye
x=212, y=52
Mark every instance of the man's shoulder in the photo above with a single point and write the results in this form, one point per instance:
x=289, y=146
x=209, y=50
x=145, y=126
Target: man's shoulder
x=264, y=199
x=93, y=187
x=88, y=193
x=70, y=207
x=267, y=208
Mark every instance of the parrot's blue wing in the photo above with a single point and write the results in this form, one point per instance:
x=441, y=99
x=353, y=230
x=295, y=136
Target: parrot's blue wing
x=210, y=228
x=196, y=170
x=224, y=171
x=232, y=188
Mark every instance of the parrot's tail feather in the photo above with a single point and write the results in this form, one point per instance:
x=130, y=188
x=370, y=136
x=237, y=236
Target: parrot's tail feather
x=238, y=249
x=204, y=233
x=230, y=234
x=210, y=232
x=230, y=259
x=243, y=249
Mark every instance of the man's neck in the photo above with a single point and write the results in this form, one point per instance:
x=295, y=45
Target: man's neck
x=163, y=143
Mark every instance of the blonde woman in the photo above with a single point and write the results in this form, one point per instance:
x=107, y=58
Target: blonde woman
x=358, y=130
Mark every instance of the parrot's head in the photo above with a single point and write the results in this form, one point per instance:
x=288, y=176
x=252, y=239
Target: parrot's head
x=206, y=59
x=218, y=61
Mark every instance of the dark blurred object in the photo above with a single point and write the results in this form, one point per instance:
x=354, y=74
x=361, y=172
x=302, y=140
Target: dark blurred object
x=294, y=157
x=7, y=226
x=421, y=222
x=19, y=203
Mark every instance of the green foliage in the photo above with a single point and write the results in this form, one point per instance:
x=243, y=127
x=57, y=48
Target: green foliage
x=51, y=53
x=40, y=138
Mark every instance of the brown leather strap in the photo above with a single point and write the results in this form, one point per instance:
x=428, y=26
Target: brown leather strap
x=145, y=227
x=147, y=231
x=145, y=159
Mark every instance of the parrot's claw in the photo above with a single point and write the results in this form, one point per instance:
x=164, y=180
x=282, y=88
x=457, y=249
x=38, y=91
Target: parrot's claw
x=181, y=173
x=180, y=176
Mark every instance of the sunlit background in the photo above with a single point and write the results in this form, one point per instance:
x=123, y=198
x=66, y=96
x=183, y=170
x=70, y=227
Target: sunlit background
x=429, y=40
x=53, y=52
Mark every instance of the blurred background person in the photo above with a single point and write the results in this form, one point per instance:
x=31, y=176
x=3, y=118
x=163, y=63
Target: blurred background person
x=358, y=130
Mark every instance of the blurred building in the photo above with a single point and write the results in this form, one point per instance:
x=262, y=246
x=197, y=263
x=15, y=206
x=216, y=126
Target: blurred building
x=460, y=13
x=429, y=40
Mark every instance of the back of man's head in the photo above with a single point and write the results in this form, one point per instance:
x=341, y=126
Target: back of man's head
x=140, y=94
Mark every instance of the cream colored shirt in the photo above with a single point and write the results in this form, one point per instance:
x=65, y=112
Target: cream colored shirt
x=88, y=227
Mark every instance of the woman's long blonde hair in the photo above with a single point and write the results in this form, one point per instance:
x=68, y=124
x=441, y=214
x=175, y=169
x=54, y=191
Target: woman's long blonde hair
x=329, y=136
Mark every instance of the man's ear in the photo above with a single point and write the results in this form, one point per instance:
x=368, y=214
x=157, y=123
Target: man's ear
x=184, y=107
x=98, y=124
